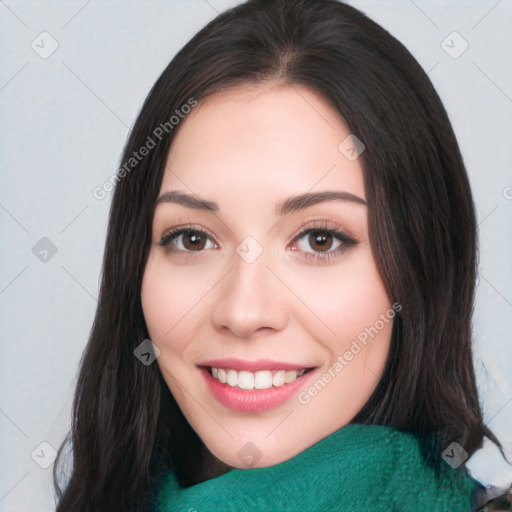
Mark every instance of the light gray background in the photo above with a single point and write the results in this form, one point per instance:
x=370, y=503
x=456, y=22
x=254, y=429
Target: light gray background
x=64, y=122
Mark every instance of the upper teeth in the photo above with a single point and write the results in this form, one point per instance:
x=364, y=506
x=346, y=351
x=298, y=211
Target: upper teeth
x=262, y=379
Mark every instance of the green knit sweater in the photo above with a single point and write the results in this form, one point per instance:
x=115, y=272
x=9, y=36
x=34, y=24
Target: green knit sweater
x=357, y=468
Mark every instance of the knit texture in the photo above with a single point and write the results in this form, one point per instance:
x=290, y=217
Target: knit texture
x=357, y=468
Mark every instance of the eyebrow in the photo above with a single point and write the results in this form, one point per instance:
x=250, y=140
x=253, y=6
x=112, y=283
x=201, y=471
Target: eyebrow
x=302, y=201
x=289, y=205
x=188, y=200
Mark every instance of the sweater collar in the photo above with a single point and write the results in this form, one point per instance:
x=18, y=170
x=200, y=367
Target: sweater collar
x=358, y=467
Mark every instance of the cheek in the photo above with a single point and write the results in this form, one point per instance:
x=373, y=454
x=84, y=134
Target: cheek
x=347, y=300
x=171, y=302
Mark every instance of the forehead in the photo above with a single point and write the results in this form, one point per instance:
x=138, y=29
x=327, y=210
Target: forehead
x=287, y=137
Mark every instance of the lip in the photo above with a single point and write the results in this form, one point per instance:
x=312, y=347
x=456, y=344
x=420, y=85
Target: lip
x=233, y=363
x=255, y=400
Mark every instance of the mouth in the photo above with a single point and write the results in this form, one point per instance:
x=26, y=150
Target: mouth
x=254, y=386
x=262, y=379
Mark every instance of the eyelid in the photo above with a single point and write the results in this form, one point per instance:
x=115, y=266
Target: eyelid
x=329, y=226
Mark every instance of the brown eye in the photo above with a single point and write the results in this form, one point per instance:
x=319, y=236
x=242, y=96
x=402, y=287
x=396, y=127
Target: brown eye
x=193, y=241
x=319, y=243
x=320, y=240
x=187, y=240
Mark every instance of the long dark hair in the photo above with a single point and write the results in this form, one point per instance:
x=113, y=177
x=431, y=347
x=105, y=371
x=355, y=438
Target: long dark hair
x=126, y=427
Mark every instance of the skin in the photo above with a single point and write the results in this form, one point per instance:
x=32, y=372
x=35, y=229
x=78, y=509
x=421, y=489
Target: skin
x=248, y=149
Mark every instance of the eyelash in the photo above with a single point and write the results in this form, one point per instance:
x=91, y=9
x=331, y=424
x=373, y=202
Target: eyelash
x=324, y=227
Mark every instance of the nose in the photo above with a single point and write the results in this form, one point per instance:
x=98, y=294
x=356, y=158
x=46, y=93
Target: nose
x=249, y=302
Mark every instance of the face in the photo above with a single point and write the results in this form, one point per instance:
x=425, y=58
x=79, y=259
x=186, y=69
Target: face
x=261, y=290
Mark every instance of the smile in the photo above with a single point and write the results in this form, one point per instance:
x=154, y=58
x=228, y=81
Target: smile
x=254, y=386
x=262, y=379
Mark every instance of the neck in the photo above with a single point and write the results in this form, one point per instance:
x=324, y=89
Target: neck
x=191, y=460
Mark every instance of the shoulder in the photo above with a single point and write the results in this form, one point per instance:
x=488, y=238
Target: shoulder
x=388, y=464
x=416, y=485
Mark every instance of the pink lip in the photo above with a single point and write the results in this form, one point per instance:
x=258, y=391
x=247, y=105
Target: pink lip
x=252, y=366
x=255, y=400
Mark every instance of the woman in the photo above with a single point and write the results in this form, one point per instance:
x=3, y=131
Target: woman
x=292, y=228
